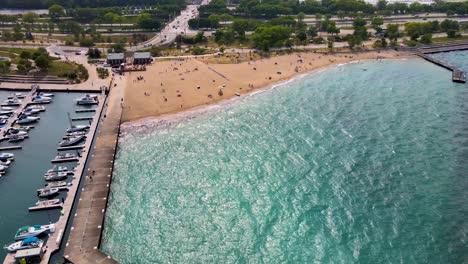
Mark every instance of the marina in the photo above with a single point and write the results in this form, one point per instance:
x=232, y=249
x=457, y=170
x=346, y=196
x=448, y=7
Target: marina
x=43, y=146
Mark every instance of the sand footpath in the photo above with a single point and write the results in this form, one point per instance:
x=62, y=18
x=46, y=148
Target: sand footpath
x=175, y=85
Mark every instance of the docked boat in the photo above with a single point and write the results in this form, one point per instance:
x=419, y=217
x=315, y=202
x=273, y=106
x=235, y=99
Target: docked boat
x=32, y=231
x=75, y=134
x=17, y=132
x=65, y=156
x=47, y=192
x=46, y=94
x=87, y=100
x=15, y=138
x=6, y=112
x=71, y=141
x=5, y=163
x=3, y=122
x=17, y=95
x=31, y=111
x=22, y=128
x=6, y=108
x=55, y=176
x=3, y=168
x=25, y=119
x=7, y=156
x=56, y=184
x=76, y=128
x=27, y=243
x=41, y=99
x=12, y=102
x=56, y=168
x=40, y=108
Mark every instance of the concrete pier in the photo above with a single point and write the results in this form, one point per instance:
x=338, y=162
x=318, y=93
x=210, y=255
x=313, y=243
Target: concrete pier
x=85, y=235
x=457, y=74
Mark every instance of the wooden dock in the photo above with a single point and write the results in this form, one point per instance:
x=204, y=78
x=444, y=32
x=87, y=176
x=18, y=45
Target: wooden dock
x=82, y=118
x=10, y=148
x=457, y=74
x=85, y=110
x=71, y=147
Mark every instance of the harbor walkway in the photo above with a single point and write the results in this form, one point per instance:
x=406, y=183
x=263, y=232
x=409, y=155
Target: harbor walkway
x=86, y=231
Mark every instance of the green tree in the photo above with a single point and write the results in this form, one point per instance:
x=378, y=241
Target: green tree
x=330, y=43
x=449, y=24
x=240, y=26
x=111, y=18
x=393, y=33
x=377, y=23
x=351, y=41
x=265, y=37
x=360, y=30
x=25, y=55
x=341, y=14
x=451, y=33
x=116, y=48
x=302, y=36
x=426, y=38
x=30, y=17
x=55, y=12
x=312, y=31
x=5, y=66
x=146, y=21
x=381, y=5
x=24, y=65
x=42, y=61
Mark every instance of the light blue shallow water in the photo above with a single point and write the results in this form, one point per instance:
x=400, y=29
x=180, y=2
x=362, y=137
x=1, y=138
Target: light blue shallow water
x=342, y=166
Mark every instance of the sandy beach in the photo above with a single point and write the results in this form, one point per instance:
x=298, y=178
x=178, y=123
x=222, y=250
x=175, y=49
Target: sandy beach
x=174, y=85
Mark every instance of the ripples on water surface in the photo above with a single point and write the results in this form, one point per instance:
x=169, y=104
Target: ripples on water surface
x=342, y=166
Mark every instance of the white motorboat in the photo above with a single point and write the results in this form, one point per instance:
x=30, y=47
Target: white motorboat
x=47, y=192
x=31, y=111
x=74, y=134
x=87, y=100
x=6, y=108
x=76, y=128
x=56, y=184
x=12, y=102
x=55, y=176
x=15, y=138
x=24, y=119
x=6, y=112
x=17, y=132
x=71, y=141
x=5, y=163
x=7, y=156
x=57, y=169
x=65, y=156
x=41, y=99
x=3, y=168
x=41, y=108
x=28, y=243
x=32, y=231
x=17, y=95
x=46, y=94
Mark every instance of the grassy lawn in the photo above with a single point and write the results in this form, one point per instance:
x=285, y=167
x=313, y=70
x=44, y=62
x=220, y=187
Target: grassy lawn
x=59, y=68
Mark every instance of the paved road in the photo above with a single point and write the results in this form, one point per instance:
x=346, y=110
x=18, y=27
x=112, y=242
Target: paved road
x=178, y=26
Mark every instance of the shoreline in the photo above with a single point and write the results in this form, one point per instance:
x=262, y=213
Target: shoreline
x=177, y=116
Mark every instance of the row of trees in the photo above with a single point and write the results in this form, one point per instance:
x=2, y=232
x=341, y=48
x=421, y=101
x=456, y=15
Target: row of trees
x=30, y=4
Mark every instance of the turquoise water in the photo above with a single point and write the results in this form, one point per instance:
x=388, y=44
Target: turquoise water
x=25, y=175
x=342, y=166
